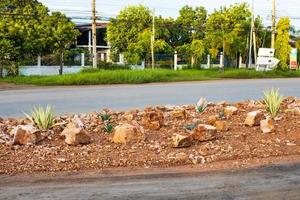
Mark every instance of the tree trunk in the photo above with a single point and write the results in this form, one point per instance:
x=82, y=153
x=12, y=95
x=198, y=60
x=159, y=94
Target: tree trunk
x=1, y=71
x=61, y=64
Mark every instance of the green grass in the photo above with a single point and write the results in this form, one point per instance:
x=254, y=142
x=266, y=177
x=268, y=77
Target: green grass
x=96, y=77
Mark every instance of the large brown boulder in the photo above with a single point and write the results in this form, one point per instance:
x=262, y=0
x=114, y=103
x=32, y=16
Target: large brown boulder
x=76, y=136
x=204, y=133
x=25, y=135
x=127, y=133
x=254, y=118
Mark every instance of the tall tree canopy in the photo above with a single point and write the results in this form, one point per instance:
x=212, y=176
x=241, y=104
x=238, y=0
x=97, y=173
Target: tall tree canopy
x=29, y=29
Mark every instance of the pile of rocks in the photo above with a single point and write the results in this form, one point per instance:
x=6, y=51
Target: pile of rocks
x=129, y=126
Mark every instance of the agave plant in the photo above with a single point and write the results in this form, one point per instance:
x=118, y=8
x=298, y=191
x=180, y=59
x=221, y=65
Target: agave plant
x=201, y=105
x=43, y=118
x=105, y=117
x=272, y=99
x=108, y=127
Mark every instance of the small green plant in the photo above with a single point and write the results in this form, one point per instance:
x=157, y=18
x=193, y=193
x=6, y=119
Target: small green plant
x=43, y=118
x=191, y=127
x=272, y=99
x=105, y=117
x=108, y=127
x=201, y=105
x=222, y=114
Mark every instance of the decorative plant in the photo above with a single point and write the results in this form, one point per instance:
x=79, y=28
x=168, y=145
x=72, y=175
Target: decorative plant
x=105, y=117
x=201, y=105
x=272, y=99
x=191, y=127
x=108, y=127
x=222, y=114
x=43, y=118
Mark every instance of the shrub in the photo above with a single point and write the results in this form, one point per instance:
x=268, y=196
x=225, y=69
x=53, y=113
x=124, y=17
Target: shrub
x=273, y=100
x=43, y=118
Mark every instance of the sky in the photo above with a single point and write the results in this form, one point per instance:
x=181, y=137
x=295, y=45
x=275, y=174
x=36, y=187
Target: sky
x=170, y=8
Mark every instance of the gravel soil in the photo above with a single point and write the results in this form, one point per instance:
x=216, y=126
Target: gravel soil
x=238, y=144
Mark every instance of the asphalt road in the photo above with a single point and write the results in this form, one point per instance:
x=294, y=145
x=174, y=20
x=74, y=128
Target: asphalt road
x=273, y=182
x=68, y=100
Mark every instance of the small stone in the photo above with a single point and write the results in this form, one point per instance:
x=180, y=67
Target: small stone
x=77, y=122
x=25, y=135
x=222, y=103
x=153, y=120
x=61, y=160
x=290, y=144
x=127, y=133
x=297, y=111
x=221, y=126
x=204, y=133
x=230, y=110
x=76, y=136
x=212, y=119
x=180, y=141
x=196, y=159
x=254, y=118
x=181, y=156
x=267, y=126
x=178, y=114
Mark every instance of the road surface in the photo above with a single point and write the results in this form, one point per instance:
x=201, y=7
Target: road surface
x=273, y=182
x=67, y=100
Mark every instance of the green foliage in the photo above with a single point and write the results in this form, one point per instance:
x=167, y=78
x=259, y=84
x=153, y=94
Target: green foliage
x=228, y=27
x=198, y=50
x=105, y=117
x=191, y=23
x=123, y=31
x=28, y=29
x=42, y=117
x=222, y=114
x=106, y=77
x=108, y=127
x=273, y=100
x=191, y=127
x=282, y=46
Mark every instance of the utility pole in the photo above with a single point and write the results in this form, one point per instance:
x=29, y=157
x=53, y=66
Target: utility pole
x=251, y=35
x=273, y=24
x=94, y=33
x=153, y=40
x=254, y=46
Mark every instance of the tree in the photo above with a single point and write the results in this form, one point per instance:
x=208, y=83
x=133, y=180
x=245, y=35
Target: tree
x=128, y=25
x=192, y=23
x=197, y=50
x=28, y=27
x=227, y=29
x=22, y=26
x=6, y=50
x=282, y=45
x=63, y=35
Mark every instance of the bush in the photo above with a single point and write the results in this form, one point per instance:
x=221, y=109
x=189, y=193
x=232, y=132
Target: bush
x=273, y=100
x=111, y=66
x=42, y=118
